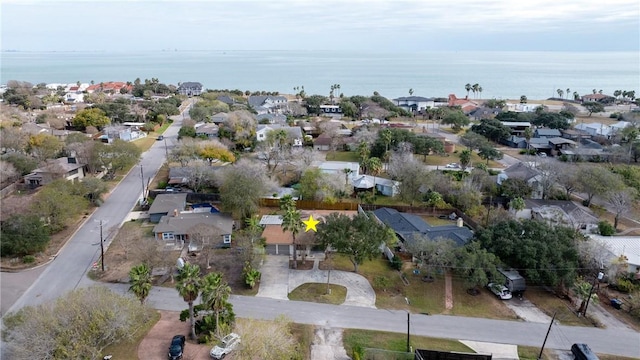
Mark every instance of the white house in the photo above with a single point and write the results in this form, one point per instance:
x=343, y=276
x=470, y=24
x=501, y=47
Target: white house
x=627, y=247
x=294, y=133
x=338, y=167
x=414, y=103
x=522, y=107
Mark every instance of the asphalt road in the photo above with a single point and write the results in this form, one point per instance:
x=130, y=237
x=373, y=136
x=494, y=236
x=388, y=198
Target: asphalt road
x=69, y=268
x=614, y=341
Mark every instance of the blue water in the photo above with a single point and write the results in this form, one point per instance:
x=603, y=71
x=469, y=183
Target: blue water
x=502, y=75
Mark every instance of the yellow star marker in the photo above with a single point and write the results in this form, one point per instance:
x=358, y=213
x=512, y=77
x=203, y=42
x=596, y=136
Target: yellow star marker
x=311, y=224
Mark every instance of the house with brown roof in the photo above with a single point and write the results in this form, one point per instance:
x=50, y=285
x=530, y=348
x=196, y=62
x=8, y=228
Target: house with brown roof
x=66, y=168
x=465, y=104
x=601, y=98
x=322, y=142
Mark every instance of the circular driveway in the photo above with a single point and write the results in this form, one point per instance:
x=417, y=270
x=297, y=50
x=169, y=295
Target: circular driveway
x=278, y=280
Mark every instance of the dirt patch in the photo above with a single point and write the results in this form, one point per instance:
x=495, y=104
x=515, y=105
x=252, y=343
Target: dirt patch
x=155, y=344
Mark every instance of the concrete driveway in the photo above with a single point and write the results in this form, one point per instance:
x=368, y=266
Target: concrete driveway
x=278, y=280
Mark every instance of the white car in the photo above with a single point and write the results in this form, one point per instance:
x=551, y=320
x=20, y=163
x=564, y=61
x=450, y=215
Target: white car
x=227, y=345
x=452, y=166
x=500, y=291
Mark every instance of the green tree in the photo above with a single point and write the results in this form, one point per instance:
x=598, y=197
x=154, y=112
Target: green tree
x=140, y=280
x=489, y=153
x=56, y=204
x=215, y=297
x=594, y=180
x=457, y=119
x=547, y=254
x=473, y=140
x=90, y=117
x=313, y=102
x=523, y=99
x=476, y=265
x=117, y=156
x=468, y=88
x=432, y=254
x=492, y=129
x=359, y=238
x=465, y=158
x=186, y=131
x=241, y=187
x=23, y=234
x=188, y=286
x=517, y=204
x=593, y=107
x=515, y=188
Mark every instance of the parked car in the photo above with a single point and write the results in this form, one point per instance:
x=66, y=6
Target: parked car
x=452, y=166
x=177, y=347
x=500, y=291
x=227, y=345
x=160, y=138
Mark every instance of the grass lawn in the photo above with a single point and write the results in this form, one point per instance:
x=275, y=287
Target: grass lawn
x=424, y=297
x=305, y=335
x=128, y=350
x=397, y=341
x=549, y=304
x=317, y=292
x=351, y=156
x=531, y=353
x=442, y=160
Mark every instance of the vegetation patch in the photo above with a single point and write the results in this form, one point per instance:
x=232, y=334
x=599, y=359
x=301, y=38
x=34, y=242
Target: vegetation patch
x=128, y=349
x=354, y=338
x=317, y=292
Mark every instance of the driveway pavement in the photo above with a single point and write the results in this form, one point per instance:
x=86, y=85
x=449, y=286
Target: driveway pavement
x=278, y=280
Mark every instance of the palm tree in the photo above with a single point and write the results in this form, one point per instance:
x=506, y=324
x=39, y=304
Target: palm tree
x=474, y=88
x=189, y=284
x=568, y=92
x=374, y=165
x=480, y=91
x=346, y=172
x=576, y=96
x=411, y=92
x=468, y=88
x=140, y=280
x=215, y=293
x=291, y=222
x=465, y=158
x=523, y=99
x=527, y=136
x=560, y=93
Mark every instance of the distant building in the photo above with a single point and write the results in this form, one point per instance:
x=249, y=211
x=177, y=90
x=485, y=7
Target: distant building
x=414, y=103
x=190, y=88
x=66, y=168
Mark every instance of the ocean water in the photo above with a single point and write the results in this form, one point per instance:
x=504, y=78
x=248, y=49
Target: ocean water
x=502, y=75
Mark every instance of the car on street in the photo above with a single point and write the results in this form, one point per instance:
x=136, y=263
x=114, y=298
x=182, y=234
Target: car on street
x=227, y=345
x=161, y=137
x=452, y=166
x=500, y=291
x=177, y=347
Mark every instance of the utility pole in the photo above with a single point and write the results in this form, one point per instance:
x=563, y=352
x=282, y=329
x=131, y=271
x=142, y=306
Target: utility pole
x=600, y=275
x=546, y=336
x=101, y=247
x=408, y=328
x=144, y=197
x=166, y=150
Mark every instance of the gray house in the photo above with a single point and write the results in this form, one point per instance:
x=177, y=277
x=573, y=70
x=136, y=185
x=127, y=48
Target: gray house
x=524, y=172
x=165, y=204
x=546, y=133
x=406, y=225
x=177, y=229
x=190, y=88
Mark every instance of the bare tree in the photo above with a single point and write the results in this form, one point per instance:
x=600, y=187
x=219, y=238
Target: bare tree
x=621, y=201
x=242, y=185
x=204, y=237
x=199, y=175
x=8, y=172
x=550, y=172
x=330, y=129
x=185, y=151
x=411, y=174
x=302, y=158
x=366, y=134
x=568, y=179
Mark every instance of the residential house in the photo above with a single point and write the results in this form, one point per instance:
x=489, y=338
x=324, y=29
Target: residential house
x=226, y=99
x=518, y=107
x=35, y=129
x=484, y=112
x=219, y=118
x=165, y=204
x=524, y=172
x=467, y=106
x=383, y=186
x=294, y=133
x=333, y=111
x=322, y=142
x=559, y=213
x=517, y=127
x=601, y=98
x=209, y=131
x=619, y=250
x=407, y=225
x=414, y=104
x=546, y=133
x=66, y=168
x=124, y=133
x=515, y=142
x=176, y=229
x=575, y=134
x=272, y=118
x=190, y=88
x=602, y=130
x=178, y=176
x=263, y=104
x=339, y=167
x=585, y=153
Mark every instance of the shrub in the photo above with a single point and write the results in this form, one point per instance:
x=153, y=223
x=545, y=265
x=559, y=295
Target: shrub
x=162, y=185
x=625, y=286
x=563, y=158
x=605, y=228
x=28, y=259
x=396, y=263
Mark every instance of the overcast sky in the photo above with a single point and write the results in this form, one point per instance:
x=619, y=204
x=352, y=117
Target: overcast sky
x=419, y=25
